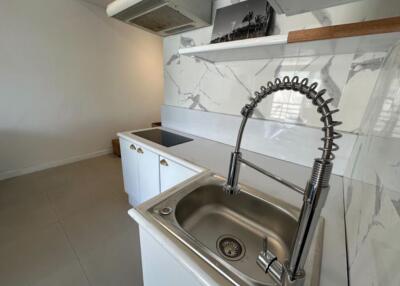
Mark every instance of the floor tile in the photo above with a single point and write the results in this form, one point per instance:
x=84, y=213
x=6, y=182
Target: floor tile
x=25, y=189
x=97, y=180
x=78, y=197
x=20, y=219
x=35, y=256
x=70, y=274
x=93, y=226
x=69, y=226
x=116, y=262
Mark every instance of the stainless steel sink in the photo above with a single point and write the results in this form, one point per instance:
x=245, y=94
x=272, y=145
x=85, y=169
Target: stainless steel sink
x=228, y=231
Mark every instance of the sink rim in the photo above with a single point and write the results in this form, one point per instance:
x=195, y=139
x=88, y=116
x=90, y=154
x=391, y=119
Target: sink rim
x=231, y=273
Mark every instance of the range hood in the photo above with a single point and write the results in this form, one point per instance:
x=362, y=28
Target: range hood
x=163, y=17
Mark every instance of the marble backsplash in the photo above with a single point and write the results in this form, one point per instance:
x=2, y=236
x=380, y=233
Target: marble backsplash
x=287, y=142
x=225, y=87
x=372, y=185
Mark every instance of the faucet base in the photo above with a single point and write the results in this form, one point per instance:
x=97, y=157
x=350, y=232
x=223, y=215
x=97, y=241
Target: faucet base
x=288, y=279
x=281, y=273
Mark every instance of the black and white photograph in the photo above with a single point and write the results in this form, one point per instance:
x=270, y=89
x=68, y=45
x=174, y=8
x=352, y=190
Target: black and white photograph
x=248, y=19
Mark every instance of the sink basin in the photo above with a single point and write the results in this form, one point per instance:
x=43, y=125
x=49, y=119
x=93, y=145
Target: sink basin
x=228, y=231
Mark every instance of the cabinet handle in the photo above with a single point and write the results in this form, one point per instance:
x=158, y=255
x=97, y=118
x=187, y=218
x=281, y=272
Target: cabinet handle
x=133, y=147
x=140, y=151
x=164, y=163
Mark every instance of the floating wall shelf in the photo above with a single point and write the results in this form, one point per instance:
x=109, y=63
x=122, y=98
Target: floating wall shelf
x=369, y=36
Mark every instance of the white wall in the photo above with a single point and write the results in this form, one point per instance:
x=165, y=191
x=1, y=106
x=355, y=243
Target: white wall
x=70, y=78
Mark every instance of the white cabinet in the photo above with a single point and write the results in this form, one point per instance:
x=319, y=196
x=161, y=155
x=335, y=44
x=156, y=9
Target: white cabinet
x=130, y=170
x=146, y=173
x=162, y=268
x=172, y=173
x=141, y=172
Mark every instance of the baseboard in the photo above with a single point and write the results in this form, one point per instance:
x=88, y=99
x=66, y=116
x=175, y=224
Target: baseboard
x=41, y=167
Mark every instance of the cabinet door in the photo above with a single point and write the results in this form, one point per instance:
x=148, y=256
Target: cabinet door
x=172, y=173
x=130, y=163
x=162, y=268
x=149, y=174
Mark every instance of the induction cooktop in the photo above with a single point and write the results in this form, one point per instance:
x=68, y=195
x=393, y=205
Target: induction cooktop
x=162, y=137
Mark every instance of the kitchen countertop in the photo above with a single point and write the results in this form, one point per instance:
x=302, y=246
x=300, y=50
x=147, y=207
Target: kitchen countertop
x=202, y=154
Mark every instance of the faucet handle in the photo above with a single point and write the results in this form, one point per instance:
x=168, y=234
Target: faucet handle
x=268, y=254
x=265, y=245
x=266, y=257
x=269, y=263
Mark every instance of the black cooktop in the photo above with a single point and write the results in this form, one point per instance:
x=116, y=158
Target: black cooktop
x=162, y=137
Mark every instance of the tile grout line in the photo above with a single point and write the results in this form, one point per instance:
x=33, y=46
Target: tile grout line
x=59, y=221
x=76, y=254
x=345, y=233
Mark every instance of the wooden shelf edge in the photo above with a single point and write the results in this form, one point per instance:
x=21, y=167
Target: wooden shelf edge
x=387, y=25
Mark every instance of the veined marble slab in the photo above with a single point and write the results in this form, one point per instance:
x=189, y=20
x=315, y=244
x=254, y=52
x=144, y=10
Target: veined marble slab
x=225, y=87
x=372, y=185
x=289, y=142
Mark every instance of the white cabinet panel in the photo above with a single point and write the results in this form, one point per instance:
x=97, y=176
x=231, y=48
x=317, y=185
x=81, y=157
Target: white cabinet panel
x=149, y=174
x=172, y=173
x=146, y=174
x=160, y=267
x=130, y=162
x=141, y=172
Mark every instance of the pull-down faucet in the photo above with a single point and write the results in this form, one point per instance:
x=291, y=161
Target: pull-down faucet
x=292, y=272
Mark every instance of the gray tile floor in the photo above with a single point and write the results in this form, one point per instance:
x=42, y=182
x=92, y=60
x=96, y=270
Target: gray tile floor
x=68, y=226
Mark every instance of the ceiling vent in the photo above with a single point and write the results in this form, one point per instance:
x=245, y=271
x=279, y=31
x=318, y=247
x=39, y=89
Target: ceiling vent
x=163, y=17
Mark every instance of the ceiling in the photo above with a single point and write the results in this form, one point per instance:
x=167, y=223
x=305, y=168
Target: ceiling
x=103, y=3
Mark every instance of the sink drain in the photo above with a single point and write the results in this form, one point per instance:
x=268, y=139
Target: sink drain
x=230, y=247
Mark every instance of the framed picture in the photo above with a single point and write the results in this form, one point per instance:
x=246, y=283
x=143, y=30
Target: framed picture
x=247, y=19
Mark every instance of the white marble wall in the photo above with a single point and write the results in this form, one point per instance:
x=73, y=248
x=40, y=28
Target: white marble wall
x=372, y=186
x=287, y=142
x=225, y=87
